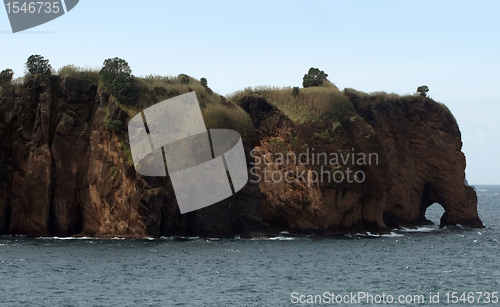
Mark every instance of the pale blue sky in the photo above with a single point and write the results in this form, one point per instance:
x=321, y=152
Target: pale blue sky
x=394, y=46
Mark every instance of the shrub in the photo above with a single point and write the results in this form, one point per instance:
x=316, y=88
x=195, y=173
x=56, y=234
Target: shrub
x=114, y=125
x=124, y=89
x=314, y=77
x=295, y=91
x=184, y=78
x=204, y=82
x=422, y=90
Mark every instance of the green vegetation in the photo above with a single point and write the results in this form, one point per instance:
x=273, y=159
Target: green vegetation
x=134, y=94
x=325, y=135
x=114, y=125
x=228, y=117
x=422, y=90
x=216, y=111
x=204, y=82
x=37, y=64
x=318, y=100
x=314, y=77
x=127, y=152
x=184, y=78
x=119, y=81
x=393, y=97
x=380, y=95
x=113, y=171
x=82, y=73
x=277, y=145
x=310, y=104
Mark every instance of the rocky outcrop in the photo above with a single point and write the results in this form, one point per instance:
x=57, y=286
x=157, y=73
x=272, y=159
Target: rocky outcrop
x=65, y=169
x=418, y=163
x=422, y=141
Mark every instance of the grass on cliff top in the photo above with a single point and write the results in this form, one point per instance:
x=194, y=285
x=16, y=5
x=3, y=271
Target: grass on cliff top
x=311, y=104
x=216, y=111
x=82, y=73
x=393, y=97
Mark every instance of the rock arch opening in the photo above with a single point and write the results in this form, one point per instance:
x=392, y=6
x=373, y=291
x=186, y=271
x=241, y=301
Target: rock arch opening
x=431, y=207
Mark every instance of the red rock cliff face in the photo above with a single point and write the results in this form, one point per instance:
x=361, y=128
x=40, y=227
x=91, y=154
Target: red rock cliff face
x=64, y=172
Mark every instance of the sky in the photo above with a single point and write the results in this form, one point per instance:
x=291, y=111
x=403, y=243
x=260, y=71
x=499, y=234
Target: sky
x=394, y=46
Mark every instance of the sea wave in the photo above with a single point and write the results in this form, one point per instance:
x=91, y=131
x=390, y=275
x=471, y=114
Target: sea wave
x=420, y=229
x=65, y=238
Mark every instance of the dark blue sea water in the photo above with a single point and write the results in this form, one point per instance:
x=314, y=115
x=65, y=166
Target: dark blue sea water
x=270, y=272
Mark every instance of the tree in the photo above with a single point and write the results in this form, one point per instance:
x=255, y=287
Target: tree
x=112, y=68
x=6, y=77
x=295, y=91
x=117, y=77
x=204, y=82
x=37, y=64
x=422, y=90
x=314, y=77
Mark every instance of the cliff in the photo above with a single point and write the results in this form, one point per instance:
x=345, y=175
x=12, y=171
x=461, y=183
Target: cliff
x=65, y=171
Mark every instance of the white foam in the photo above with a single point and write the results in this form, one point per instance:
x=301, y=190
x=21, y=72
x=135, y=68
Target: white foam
x=281, y=238
x=420, y=229
x=178, y=238
x=392, y=234
x=375, y=235
x=65, y=238
x=278, y=238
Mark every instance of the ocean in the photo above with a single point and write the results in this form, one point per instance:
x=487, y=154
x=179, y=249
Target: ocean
x=426, y=267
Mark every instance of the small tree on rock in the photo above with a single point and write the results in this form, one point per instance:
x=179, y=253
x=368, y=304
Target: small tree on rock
x=37, y=64
x=314, y=77
x=422, y=90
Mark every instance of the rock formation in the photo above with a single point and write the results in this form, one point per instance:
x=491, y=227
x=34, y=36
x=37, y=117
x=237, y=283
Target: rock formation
x=65, y=171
